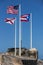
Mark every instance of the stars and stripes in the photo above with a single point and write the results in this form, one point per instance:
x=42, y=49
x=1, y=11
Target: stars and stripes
x=25, y=17
x=12, y=9
x=10, y=20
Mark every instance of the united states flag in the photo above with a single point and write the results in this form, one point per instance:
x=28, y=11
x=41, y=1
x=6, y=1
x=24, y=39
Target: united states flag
x=25, y=17
x=10, y=20
x=12, y=9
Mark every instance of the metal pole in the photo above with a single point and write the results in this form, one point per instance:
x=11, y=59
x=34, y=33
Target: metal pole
x=19, y=30
x=15, y=37
x=31, y=30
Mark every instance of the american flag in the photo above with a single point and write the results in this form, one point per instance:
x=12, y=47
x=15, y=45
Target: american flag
x=25, y=17
x=12, y=9
x=10, y=20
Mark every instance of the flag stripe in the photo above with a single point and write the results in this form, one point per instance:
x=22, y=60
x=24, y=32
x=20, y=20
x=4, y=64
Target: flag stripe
x=25, y=15
x=24, y=19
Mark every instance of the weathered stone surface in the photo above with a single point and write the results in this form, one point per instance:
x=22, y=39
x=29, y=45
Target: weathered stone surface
x=8, y=60
x=40, y=62
x=11, y=60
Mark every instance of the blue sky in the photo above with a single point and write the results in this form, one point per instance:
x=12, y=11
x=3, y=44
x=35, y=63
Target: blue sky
x=7, y=31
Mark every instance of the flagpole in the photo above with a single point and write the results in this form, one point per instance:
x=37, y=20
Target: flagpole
x=19, y=30
x=31, y=30
x=15, y=37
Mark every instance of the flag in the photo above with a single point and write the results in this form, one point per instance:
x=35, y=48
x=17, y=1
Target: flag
x=13, y=9
x=25, y=17
x=10, y=20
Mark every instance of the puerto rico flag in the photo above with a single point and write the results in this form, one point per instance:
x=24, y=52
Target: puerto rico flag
x=13, y=9
x=25, y=17
x=10, y=20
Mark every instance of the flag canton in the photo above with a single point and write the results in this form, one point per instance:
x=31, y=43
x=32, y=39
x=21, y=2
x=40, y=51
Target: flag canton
x=16, y=7
x=28, y=17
